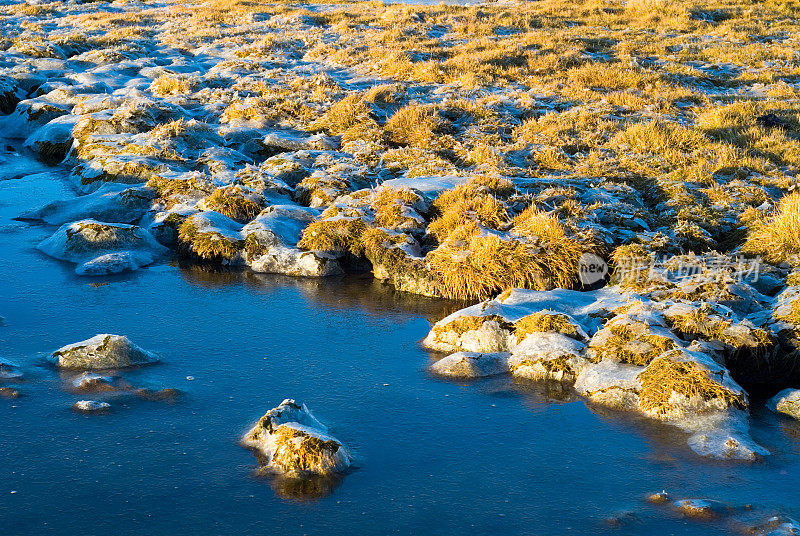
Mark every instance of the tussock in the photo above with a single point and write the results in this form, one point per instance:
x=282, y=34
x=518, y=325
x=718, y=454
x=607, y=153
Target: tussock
x=207, y=245
x=663, y=377
x=777, y=238
x=232, y=202
x=341, y=235
x=543, y=322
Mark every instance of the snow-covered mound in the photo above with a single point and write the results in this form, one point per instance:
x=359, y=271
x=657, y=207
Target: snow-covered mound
x=104, y=351
x=288, y=439
x=103, y=248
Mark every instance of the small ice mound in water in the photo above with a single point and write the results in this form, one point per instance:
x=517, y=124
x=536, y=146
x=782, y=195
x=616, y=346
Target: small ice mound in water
x=547, y=356
x=471, y=365
x=696, y=508
x=289, y=441
x=777, y=526
x=91, y=406
x=9, y=371
x=786, y=402
x=89, y=382
x=102, y=248
x=104, y=351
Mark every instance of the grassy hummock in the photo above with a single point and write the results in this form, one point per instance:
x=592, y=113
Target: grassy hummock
x=665, y=377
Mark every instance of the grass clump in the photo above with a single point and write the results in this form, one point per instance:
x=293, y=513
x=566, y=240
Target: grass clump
x=464, y=324
x=340, y=235
x=793, y=316
x=207, y=245
x=700, y=323
x=393, y=208
x=464, y=204
x=414, y=125
x=631, y=342
x=166, y=85
x=231, y=201
x=659, y=137
x=166, y=186
x=320, y=190
x=554, y=248
x=543, y=322
x=471, y=265
x=665, y=376
x=343, y=115
x=777, y=238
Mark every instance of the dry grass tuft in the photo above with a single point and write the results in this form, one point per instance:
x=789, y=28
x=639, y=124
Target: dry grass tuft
x=414, y=125
x=633, y=343
x=544, y=322
x=391, y=207
x=663, y=377
x=464, y=204
x=339, y=235
x=469, y=265
x=207, y=245
x=232, y=202
x=166, y=85
x=348, y=113
x=777, y=238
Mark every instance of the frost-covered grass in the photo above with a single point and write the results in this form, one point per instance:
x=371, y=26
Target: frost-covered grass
x=649, y=127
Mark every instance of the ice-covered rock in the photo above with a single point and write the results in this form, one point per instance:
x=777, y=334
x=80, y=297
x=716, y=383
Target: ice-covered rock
x=722, y=435
x=104, y=351
x=31, y=114
x=111, y=202
x=91, y=406
x=52, y=142
x=90, y=382
x=610, y=383
x=9, y=371
x=288, y=439
x=271, y=244
x=776, y=526
x=787, y=402
x=212, y=236
x=471, y=365
x=548, y=356
x=696, y=508
x=9, y=94
x=480, y=333
x=9, y=392
x=102, y=248
x=490, y=326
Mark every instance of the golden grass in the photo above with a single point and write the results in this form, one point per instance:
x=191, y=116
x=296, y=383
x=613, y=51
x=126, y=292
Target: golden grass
x=231, y=202
x=543, y=322
x=793, y=316
x=390, y=208
x=166, y=85
x=777, y=238
x=468, y=265
x=661, y=138
x=414, y=125
x=168, y=186
x=632, y=343
x=207, y=245
x=663, y=377
x=464, y=204
x=340, y=235
x=551, y=243
x=296, y=452
x=343, y=115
